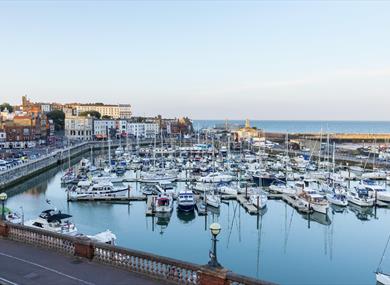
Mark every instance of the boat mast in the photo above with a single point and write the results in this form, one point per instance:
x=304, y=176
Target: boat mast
x=319, y=151
x=333, y=161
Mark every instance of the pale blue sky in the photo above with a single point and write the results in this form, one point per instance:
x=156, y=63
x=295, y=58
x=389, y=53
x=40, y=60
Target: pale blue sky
x=205, y=59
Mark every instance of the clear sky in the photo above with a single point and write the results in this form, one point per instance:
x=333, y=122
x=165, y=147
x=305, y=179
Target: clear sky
x=325, y=60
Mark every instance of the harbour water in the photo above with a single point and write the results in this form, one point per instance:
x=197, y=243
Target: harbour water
x=373, y=127
x=282, y=245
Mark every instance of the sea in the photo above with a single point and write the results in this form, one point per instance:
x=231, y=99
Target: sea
x=284, y=126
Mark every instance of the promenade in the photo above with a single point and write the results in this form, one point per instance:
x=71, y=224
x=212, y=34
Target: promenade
x=25, y=264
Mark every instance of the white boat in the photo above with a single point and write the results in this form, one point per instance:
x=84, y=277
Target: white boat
x=258, y=200
x=157, y=176
x=282, y=188
x=186, y=201
x=375, y=190
x=377, y=175
x=53, y=221
x=360, y=197
x=14, y=218
x=163, y=203
x=312, y=200
x=84, y=164
x=337, y=199
x=119, y=151
x=103, y=188
x=227, y=190
x=216, y=177
x=104, y=237
x=382, y=278
x=213, y=200
x=202, y=187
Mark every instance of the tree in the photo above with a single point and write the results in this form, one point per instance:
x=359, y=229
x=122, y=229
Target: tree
x=58, y=117
x=106, y=117
x=8, y=106
x=95, y=114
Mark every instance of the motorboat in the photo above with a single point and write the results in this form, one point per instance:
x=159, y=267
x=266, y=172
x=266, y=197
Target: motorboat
x=282, y=188
x=375, y=190
x=202, y=187
x=84, y=164
x=213, y=200
x=119, y=151
x=103, y=188
x=312, y=200
x=337, y=199
x=258, y=200
x=104, y=237
x=360, y=197
x=163, y=203
x=53, y=221
x=157, y=176
x=377, y=175
x=186, y=201
x=264, y=179
x=382, y=278
x=227, y=190
x=216, y=177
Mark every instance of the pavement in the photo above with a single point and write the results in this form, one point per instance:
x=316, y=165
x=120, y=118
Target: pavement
x=25, y=264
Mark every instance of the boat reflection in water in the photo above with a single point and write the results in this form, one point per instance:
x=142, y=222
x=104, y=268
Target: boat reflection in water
x=338, y=209
x=213, y=210
x=163, y=220
x=318, y=218
x=185, y=217
x=362, y=213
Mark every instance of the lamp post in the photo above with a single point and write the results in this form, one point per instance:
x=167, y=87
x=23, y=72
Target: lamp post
x=215, y=229
x=3, y=197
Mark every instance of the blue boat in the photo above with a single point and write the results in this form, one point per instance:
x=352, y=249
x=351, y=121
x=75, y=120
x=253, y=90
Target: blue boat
x=186, y=201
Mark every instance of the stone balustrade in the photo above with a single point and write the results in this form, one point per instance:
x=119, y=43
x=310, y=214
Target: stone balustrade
x=150, y=265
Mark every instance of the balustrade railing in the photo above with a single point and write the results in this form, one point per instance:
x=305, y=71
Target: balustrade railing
x=42, y=238
x=149, y=264
x=154, y=266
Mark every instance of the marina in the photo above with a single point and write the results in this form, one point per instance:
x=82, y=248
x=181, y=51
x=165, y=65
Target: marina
x=259, y=224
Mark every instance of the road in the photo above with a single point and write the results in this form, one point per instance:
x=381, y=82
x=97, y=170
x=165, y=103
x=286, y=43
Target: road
x=29, y=265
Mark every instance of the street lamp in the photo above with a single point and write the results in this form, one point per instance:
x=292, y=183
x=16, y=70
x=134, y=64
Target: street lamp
x=215, y=229
x=3, y=197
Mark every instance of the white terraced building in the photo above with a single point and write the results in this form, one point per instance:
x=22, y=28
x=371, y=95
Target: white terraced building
x=102, y=128
x=121, y=111
x=143, y=130
x=79, y=128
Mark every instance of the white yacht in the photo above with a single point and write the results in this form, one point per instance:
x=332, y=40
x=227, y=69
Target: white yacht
x=213, y=200
x=375, y=189
x=258, y=200
x=157, y=176
x=227, y=190
x=119, y=151
x=337, y=199
x=282, y=188
x=202, y=187
x=216, y=177
x=311, y=199
x=360, y=197
x=163, y=203
x=103, y=188
x=53, y=221
x=186, y=201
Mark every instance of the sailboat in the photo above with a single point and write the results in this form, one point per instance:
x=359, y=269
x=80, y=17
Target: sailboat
x=381, y=277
